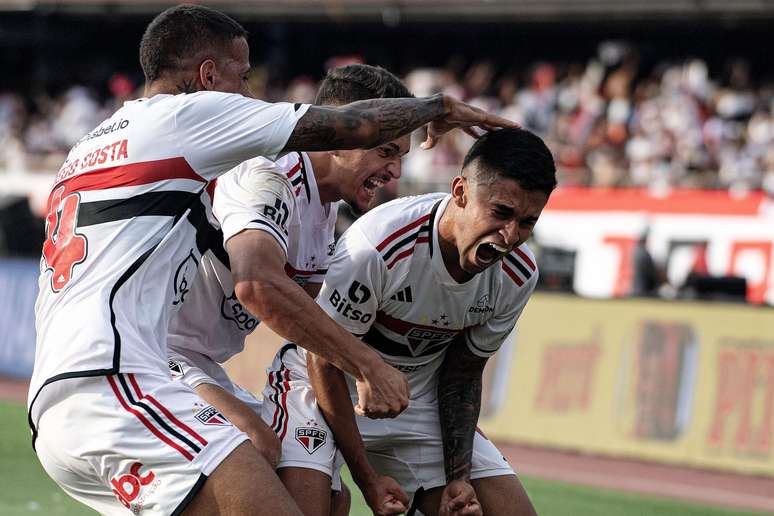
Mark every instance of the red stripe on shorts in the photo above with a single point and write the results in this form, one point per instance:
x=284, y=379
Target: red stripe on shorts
x=166, y=412
x=155, y=431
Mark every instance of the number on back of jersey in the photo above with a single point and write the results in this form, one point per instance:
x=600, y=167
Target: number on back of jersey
x=63, y=248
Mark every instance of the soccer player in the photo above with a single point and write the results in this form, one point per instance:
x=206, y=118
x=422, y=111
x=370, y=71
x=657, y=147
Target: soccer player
x=122, y=246
x=434, y=283
x=279, y=220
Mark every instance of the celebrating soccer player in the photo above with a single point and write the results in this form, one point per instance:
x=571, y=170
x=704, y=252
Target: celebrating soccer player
x=123, y=244
x=434, y=284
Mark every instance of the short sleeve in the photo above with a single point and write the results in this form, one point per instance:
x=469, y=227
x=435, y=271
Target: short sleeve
x=255, y=195
x=485, y=339
x=217, y=131
x=352, y=289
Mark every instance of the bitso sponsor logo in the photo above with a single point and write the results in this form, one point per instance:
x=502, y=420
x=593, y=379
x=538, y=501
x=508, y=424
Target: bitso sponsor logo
x=357, y=294
x=311, y=438
x=212, y=416
x=130, y=486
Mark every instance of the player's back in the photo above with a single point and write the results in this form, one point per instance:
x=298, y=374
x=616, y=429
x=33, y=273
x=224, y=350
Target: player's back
x=121, y=242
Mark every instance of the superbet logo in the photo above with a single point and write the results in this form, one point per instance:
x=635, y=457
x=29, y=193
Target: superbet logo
x=127, y=487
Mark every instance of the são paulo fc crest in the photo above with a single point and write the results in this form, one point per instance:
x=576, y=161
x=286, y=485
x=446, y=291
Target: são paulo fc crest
x=310, y=438
x=211, y=416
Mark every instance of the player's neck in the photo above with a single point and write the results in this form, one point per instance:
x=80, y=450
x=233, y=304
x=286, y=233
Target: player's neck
x=447, y=243
x=171, y=86
x=327, y=187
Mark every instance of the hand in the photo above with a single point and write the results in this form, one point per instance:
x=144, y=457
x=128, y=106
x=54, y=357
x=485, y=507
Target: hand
x=383, y=392
x=385, y=497
x=465, y=117
x=267, y=443
x=459, y=499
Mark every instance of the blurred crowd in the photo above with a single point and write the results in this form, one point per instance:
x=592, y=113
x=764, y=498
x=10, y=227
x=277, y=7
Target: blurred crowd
x=610, y=122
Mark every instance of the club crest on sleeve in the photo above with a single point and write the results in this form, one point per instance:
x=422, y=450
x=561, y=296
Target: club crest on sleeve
x=212, y=416
x=311, y=438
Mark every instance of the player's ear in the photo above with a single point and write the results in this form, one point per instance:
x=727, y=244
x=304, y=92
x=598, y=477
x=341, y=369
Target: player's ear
x=208, y=74
x=459, y=190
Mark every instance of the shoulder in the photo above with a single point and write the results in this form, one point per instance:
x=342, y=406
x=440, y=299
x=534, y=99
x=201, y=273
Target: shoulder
x=519, y=268
x=397, y=220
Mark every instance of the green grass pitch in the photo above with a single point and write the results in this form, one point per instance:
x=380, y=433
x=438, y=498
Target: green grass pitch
x=26, y=490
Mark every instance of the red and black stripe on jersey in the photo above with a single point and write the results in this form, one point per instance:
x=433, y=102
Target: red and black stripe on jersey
x=423, y=339
x=401, y=243
x=518, y=266
x=297, y=177
x=174, y=204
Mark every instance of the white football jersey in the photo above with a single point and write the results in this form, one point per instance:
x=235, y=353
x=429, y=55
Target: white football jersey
x=280, y=198
x=122, y=245
x=388, y=283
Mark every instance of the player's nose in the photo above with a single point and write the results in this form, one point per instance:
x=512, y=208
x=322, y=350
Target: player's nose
x=394, y=169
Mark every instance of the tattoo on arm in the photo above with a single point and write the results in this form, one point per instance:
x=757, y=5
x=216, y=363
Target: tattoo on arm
x=362, y=124
x=187, y=86
x=459, y=403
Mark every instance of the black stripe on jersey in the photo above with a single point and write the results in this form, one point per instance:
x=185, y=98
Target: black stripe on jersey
x=512, y=259
x=152, y=413
x=116, y=346
x=303, y=175
x=387, y=346
x=208, y=237
x=169, y=204
x=273, y=230
x=431, y=224
x=402, y=243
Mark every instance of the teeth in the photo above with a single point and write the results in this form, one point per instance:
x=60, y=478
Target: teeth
x=498, y=248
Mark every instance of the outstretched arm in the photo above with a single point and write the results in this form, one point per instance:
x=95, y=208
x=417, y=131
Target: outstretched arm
x=368, y=123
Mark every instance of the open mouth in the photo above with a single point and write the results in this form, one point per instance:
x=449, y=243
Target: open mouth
x=372, y=184
x=489, y=252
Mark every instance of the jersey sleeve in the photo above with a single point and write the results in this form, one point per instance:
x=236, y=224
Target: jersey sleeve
x=255, y=195
x=217, y=131
x=352, y=289
x=485, y=339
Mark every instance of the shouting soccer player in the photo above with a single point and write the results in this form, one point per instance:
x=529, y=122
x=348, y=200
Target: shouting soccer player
x=122, y=247
x=279, y=220
x=434, y=283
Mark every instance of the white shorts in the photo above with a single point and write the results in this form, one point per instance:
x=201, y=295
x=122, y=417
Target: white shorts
x=195, y=369
x=139, y=443
x=407, y=448
x=410, y=450
x=290, y=409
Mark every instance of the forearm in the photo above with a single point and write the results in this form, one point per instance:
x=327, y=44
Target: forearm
x=333, y=399
x=459, y=404
x=287, y=309
x=363, y=124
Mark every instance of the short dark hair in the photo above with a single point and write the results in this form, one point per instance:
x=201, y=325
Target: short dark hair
x=180, y=33
x=354, y=82
x=513, y=154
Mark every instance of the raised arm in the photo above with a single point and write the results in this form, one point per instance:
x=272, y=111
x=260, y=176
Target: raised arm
x=368, y=123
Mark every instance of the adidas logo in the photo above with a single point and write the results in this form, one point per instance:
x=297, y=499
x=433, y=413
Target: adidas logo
x=403, y=295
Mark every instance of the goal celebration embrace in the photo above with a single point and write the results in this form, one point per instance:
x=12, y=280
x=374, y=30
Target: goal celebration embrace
x=197, y=212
